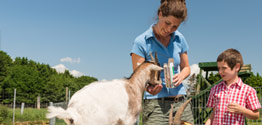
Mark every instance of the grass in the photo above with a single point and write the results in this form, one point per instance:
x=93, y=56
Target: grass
x=29, y=116
x=59, y=122
x=37, y=116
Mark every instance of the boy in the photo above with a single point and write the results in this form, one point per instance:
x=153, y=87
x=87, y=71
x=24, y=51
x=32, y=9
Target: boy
x=232, y=100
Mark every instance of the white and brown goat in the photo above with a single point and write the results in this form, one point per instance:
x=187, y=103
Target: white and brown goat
x=116, y=102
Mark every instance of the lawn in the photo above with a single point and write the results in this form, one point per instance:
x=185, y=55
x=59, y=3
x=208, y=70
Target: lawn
x=29, y=116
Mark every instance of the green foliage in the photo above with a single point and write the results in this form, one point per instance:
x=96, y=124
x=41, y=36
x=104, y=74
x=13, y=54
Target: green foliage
x=213, y=78
x=254, y=80
x=32, y=79
x=3, y=113
x=5, y=62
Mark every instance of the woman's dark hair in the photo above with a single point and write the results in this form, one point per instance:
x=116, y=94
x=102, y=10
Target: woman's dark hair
x=176, y=8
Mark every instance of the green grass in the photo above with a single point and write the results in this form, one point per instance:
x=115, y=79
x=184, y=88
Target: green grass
x=38, y=115
x=254, y=122
x=59, y=122
x=30, y=114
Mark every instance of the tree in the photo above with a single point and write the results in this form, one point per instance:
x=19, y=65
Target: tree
x=213, y=78
x=5, y=62
x=32, y=79
x=254, y=80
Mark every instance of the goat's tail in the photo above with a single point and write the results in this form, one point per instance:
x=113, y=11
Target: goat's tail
x=57, y=112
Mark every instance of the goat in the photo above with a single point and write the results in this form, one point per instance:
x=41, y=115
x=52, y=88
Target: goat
x=116, y=102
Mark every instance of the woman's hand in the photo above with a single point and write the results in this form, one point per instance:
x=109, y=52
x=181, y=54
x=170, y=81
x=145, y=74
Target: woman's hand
x=177, y=79
x=184, y=70
x=153, y=90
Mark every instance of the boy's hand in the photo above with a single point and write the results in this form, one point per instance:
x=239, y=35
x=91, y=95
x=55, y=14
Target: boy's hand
x=235, y=108
x=208, y=122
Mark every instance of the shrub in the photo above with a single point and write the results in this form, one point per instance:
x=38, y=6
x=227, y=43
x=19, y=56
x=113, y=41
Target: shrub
x=3, y=113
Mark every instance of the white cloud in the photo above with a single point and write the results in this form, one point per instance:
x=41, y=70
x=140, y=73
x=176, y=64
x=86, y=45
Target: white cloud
x=194, y=69
x=70, y=60
x=76, y=73
x=60, y=68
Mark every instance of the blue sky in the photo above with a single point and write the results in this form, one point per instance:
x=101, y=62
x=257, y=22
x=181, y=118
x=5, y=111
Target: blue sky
x=94, y=37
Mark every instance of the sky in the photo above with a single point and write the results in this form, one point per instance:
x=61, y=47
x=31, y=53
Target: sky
x=94, y=37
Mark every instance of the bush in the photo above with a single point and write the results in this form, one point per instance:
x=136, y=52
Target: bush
x=3, y=113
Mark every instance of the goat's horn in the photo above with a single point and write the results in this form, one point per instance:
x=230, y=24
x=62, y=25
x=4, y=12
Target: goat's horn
x=177, y=118
x=156, y=59
x=152, y=58
x=170, y=121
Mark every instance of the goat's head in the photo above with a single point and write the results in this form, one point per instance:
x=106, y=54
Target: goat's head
x=148, y=72
x=155, y=74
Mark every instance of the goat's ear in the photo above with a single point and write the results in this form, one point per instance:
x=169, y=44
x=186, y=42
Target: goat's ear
x=156, y=68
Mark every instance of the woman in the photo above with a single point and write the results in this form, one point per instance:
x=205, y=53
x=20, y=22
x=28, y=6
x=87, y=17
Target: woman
x=164, y=39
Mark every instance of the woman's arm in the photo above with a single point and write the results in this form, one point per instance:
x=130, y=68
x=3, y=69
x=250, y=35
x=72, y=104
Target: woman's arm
x=184, y=69
x=136, y=60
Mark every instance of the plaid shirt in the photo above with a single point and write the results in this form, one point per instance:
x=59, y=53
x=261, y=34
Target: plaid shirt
x=220, y=96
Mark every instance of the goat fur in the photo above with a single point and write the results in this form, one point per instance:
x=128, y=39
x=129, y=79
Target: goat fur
x=116, y=102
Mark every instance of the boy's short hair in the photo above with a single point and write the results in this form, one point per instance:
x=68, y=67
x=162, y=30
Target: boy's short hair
x=231, y=57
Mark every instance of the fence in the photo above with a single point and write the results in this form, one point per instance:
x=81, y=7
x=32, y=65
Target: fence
x=34, y=101
x=31, y=108
x=201, y=112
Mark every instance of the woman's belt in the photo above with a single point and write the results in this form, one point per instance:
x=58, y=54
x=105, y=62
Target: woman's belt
x=176, y=99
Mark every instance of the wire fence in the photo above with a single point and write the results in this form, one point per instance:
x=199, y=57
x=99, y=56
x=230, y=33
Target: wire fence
x=7, y=100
